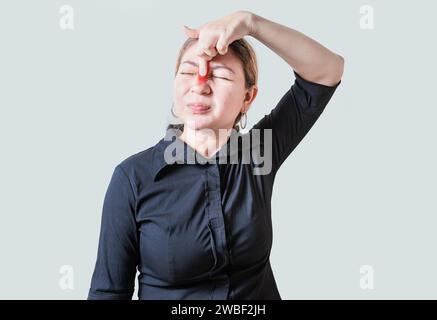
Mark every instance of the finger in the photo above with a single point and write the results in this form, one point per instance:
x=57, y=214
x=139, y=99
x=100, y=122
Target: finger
x=202, y=49
x=222, y=45
x=203, y=64
x=205, y=57
x=212, y=52
x=200, y=52
x=191, y=33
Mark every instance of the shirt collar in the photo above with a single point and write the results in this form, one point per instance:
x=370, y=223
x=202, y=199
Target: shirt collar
x=182, y=153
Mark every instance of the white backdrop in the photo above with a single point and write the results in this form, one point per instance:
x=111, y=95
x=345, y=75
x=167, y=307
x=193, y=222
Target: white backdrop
x=358, y=191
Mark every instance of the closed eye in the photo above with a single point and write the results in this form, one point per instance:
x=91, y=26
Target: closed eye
x=191, y=73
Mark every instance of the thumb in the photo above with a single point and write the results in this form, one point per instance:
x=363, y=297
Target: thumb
x=192, y=33
x=222, y=45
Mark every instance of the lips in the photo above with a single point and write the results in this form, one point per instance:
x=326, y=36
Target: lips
x=199, y=107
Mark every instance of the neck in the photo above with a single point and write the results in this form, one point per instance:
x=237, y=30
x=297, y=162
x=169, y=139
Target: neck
x=205, y=141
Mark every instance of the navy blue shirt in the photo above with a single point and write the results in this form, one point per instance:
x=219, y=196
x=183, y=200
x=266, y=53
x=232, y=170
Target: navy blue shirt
x=199, y=230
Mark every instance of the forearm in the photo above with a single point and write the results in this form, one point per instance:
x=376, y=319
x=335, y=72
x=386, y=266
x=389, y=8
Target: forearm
x=306, y=56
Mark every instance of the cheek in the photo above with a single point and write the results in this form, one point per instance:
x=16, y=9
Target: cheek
x=227, y=109
x=233, y=99
x=179, y=85
x=179, y=89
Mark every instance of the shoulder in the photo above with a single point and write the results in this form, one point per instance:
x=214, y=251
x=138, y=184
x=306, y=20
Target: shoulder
x=137, y=159
x=138, y=166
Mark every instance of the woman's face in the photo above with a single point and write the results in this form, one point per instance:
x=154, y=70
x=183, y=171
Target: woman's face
x=224, y=92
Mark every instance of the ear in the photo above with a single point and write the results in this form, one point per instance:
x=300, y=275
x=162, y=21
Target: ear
x=249, y=97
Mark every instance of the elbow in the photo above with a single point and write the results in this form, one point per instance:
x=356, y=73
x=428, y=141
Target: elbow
x=338, y=69
x=333, y=72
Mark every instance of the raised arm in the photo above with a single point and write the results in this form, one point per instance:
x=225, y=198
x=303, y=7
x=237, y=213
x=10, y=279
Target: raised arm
x=306, y=56
x=318, y=72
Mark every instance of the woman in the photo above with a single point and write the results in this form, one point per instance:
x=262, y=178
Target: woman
x=202, y=229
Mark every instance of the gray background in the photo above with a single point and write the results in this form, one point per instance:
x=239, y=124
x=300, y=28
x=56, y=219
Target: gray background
x=357, y=191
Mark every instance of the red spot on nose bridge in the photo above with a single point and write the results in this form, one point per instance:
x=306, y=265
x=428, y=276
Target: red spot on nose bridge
x=203, y=79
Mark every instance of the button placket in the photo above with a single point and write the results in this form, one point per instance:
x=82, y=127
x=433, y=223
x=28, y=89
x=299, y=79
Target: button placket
x=216, y=222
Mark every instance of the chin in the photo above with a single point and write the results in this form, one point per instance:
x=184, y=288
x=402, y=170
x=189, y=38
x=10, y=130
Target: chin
x=197, y=123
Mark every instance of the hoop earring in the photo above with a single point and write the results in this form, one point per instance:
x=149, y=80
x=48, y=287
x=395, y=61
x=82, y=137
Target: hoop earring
x=245, y=120
x=171, y=110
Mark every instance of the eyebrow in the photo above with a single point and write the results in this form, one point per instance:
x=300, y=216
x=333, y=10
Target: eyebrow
x=219, y=66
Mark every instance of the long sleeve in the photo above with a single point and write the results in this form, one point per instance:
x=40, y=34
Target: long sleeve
x=117, y=256
x=294, y=115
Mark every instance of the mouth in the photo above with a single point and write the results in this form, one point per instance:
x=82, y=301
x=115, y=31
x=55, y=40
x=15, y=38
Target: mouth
x=199, y=108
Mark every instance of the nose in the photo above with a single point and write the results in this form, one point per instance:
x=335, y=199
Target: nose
x=200, y=85
x=201, y=88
